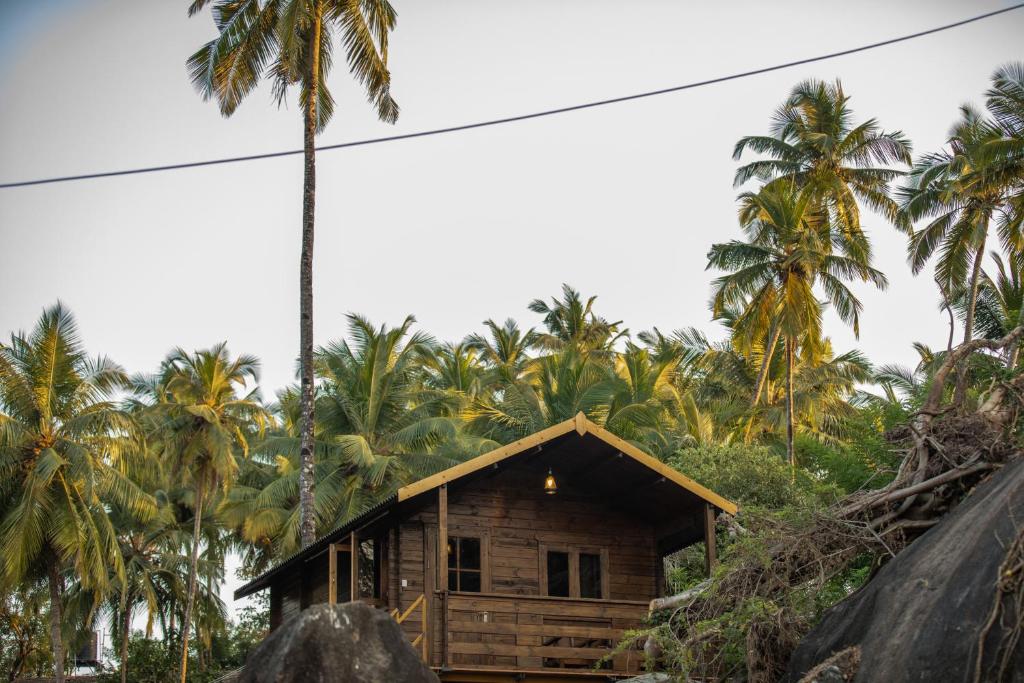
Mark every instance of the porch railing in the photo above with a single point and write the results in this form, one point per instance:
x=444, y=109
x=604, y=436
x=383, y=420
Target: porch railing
x=539, y=633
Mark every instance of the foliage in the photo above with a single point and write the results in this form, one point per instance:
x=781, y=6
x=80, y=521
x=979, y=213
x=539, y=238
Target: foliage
x=125, y=495
x=750, y=475
x=24, y=642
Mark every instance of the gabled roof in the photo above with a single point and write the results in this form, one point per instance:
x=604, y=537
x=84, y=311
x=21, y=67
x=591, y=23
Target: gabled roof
x=582, y=425
x=528, y=444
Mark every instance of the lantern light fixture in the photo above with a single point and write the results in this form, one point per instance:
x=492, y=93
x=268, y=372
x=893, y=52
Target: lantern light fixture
x=550, y=486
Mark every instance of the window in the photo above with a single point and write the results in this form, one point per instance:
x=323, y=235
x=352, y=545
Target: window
x=465, y=570
x=558, y=573
x=590, y=575
x=574, y=572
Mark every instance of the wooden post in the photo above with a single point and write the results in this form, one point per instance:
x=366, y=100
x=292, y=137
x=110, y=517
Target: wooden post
x=442, y=537
x=423, y=625
x=353, y=544
x=332, y=574
x=442, y=566
x=710, y=553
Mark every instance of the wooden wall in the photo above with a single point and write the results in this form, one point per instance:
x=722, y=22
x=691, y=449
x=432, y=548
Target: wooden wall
x=285, y=599
x=518, y=517
x=514, y=518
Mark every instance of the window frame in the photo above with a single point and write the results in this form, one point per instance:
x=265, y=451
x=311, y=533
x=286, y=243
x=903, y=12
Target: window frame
x=484, y=539
x=574, y=552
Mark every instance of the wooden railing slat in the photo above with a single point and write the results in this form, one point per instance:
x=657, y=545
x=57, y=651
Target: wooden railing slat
x=551, y=630
x=421, y=638
x=547, y=651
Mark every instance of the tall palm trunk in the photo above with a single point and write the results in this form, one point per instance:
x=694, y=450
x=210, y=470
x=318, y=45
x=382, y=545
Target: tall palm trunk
x=186, y=621
x=56, y=618
x=126, y=617
x=307, y=521
x=790, y=452
x=972, y=301
x=762, y=377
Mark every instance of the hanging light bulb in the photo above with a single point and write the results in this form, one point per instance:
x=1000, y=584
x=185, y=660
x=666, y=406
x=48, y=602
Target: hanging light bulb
x=550, y=486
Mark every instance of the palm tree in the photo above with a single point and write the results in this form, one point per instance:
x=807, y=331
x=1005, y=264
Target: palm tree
x=999, y=303
x=789, y=251
x=290, y=41
x=507, y=351
x=150, y=553
x=61, y=440
x=572, y=323
x=815, y=145
x=557, y=387
x=905, y=388
x=960, y=190
x=208, y=415
x=1006, y=104
x=455, y=368
x=376, y=407
x=650, y=407
x=379, y=426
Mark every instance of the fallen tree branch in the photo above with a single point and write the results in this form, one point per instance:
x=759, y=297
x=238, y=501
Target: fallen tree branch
x=948, y=451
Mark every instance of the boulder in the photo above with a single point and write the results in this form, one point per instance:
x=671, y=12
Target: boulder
x=921, y=617
x=350, y=643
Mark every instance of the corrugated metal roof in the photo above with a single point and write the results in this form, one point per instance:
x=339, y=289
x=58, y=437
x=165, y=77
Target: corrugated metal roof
x=580, y=424
x=314, y=548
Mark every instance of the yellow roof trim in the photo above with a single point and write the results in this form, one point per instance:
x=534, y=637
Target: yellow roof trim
x=582, y=426
x=661, y=468
x=485, y=460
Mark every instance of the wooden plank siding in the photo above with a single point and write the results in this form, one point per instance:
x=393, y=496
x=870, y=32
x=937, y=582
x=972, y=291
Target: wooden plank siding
x=516, y=515
x=513, y=519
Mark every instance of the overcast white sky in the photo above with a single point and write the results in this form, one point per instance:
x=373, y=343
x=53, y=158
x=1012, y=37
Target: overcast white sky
x=622, y=201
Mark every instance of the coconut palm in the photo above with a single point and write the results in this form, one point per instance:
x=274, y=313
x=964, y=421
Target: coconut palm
x=1006, y=104
x=62, y=439
x=789, y=251
x=208, y=414
x=455, y=368
x=815, y=145
x=959, y=191
x=375, y=404
x=379, y=426
x=649, y=405
x=558, y=386
x=999, y=304
x=571, y=323
x=904, y=387
x=290, y=41
x=507, y=351
x=822, y=385
x=153, y=575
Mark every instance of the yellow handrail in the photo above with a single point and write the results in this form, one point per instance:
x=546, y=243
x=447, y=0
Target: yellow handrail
x=421, y=639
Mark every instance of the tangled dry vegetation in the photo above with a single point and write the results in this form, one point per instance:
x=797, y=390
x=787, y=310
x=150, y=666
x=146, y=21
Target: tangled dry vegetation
x=759, y=605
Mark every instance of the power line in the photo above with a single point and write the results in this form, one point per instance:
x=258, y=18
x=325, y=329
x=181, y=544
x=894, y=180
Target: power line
x=513, y=119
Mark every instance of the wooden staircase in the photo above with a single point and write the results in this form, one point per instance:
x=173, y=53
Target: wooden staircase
x=420, y=641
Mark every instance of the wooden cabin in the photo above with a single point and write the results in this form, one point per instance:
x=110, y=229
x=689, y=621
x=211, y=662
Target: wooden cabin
x=525, y=563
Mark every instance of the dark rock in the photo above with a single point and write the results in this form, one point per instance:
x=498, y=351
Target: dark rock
x=921, y=616
x=839, y=668
x=351, y=643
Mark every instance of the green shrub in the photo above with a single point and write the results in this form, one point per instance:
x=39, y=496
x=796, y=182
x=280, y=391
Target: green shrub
x=749, y=475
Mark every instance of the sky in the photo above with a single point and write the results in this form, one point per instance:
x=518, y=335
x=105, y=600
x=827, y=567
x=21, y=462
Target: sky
x=622, y=201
